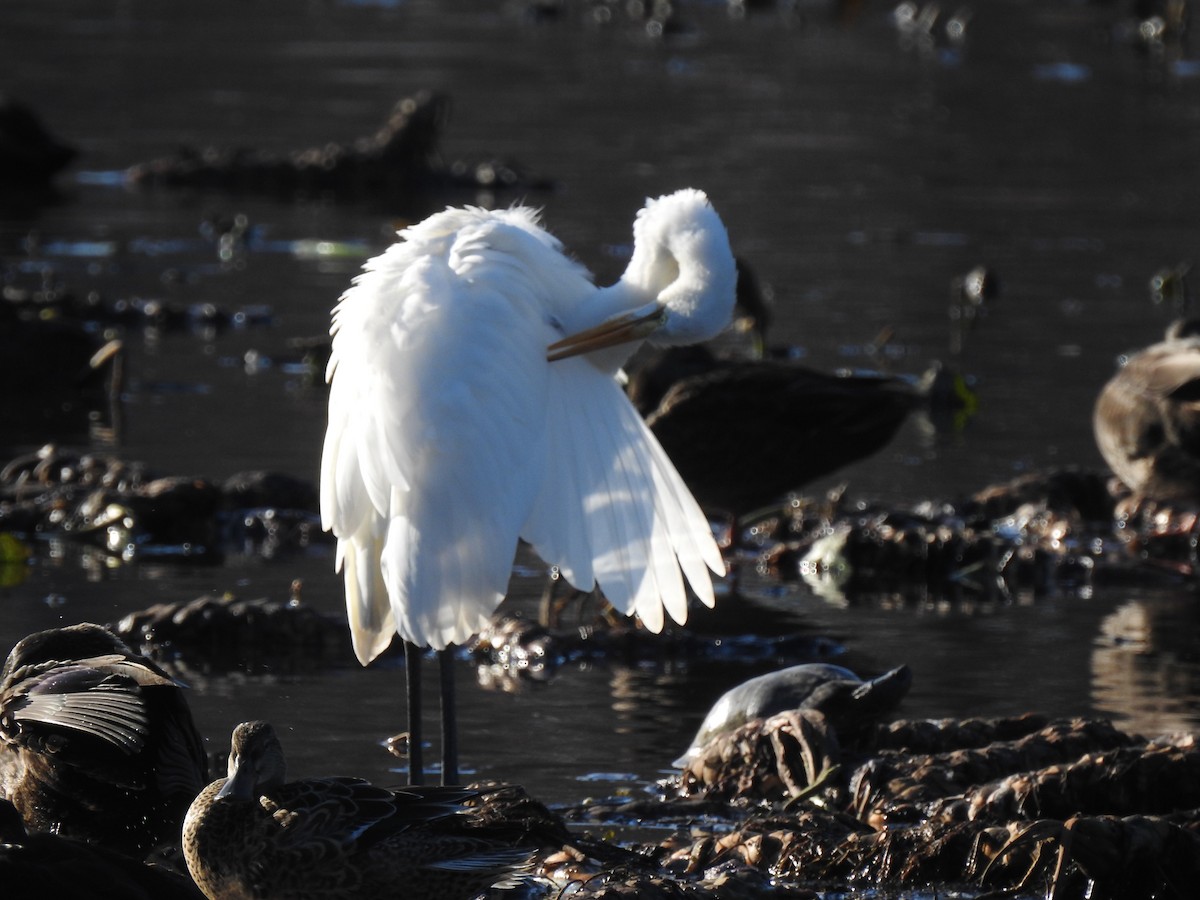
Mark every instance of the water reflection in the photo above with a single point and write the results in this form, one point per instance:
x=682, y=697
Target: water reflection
x=1146, y=664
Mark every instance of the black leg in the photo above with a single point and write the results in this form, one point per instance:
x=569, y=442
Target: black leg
x=552, y=605
x=449, y=723
x=548, y=613
x=412, y=671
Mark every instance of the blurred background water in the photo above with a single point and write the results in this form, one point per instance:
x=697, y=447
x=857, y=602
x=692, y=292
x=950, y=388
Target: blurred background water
x=859, y=169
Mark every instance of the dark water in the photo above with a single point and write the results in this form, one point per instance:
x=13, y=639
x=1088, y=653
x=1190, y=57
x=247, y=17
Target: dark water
x=857, y=175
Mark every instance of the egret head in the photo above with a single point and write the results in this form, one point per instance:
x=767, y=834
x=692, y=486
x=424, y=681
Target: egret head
x=682, y=260
x=679, y=286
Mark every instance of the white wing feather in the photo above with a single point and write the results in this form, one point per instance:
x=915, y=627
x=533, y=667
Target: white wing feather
x=612, y=510
x=433, y=451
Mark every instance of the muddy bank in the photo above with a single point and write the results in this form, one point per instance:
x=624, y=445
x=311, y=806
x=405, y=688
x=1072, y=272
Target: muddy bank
x=787, y=805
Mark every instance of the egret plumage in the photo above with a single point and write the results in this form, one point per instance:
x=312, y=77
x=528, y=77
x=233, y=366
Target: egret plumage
x=473, y=402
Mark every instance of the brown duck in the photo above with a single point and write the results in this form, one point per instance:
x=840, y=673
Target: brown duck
x=1147, y=418
x=96, y=742
x=253, y=835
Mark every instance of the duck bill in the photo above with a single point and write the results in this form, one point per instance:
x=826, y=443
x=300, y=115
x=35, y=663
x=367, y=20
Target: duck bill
x=240, y=783
x=634, y=326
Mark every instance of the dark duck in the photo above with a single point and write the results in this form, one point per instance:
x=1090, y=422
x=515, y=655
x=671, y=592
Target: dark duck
x=96, y=742
x=744, y=432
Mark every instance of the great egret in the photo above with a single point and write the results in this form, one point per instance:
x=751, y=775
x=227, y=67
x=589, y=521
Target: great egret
x=1147, y=418
x=473, y=401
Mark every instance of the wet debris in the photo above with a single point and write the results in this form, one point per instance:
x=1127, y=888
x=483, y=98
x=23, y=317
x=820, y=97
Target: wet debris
x=928, y=30
x=94, y=312
x=216, y=635
x=1075, y=808
x=540, y=827
x=891, y=784
x=1043, y=533
x=781, y=756
x=1161, y=534
x=723, y=882
x=1156, y=28
x=122, y=509
x=513, y=652
x=926, y=736
x=1095, y=857
x=1156, y=778
x=397, y=161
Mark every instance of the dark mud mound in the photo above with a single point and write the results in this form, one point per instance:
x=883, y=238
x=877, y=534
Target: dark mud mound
x=121, y=509
x=1073, y=807
x=397, y=162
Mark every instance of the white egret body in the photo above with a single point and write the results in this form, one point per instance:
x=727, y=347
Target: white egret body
x=473, y=402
